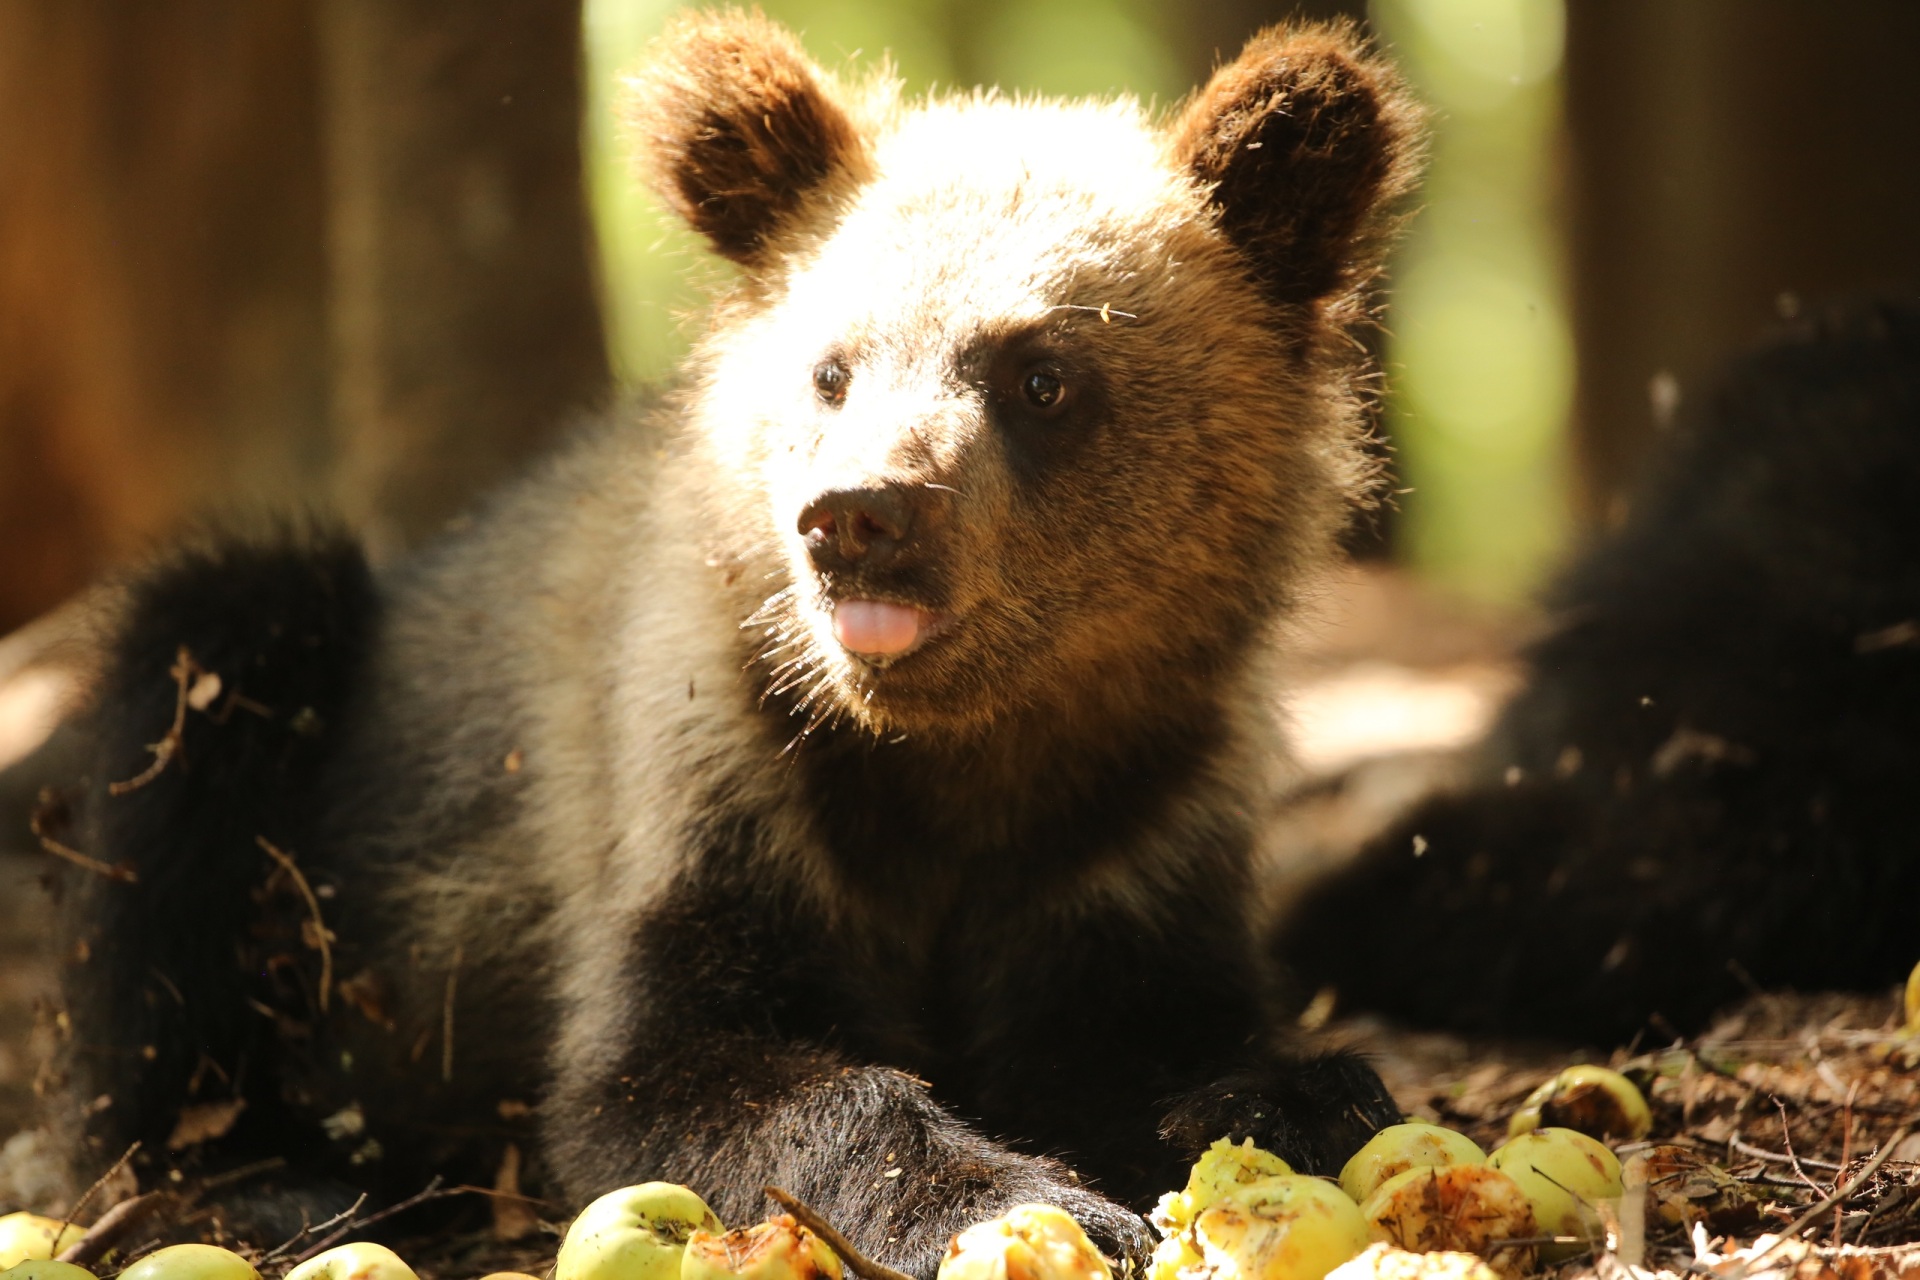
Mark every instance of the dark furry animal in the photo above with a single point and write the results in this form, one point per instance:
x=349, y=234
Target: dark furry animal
x=848, y=769
x=1715, y=757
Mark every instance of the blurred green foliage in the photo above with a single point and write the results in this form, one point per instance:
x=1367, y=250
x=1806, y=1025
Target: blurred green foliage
x=1480, y=364
x=1480, y=358
x=655, y=273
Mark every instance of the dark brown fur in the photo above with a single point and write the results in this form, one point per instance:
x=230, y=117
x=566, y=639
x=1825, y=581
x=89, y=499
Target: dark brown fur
x=1309, y=148
x=732, y=903
x=1706, y=784
x=736, y=129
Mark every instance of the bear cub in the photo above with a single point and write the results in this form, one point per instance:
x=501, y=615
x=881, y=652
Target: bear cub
x=839, y=777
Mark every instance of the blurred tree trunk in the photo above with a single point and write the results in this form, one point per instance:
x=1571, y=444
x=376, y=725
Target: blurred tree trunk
x=1733, y=159
x=162, y=334
x=465, y=324
x=280, y=253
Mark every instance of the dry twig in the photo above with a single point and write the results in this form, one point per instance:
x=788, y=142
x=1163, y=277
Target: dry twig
x=186, y=673
x=320, y=936
x=433, y=1191
x=113, y=1226
x=123, y=874
x=1786, y=1140
x=446, y=1016
x=279, y=1251
x=87, y=1196
x=1774, y=1157
x=1812, y=1215
x=858, y=1263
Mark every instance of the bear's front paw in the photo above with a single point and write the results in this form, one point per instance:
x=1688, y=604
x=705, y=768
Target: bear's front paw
x=1313, y=1113
x=1117, y=1231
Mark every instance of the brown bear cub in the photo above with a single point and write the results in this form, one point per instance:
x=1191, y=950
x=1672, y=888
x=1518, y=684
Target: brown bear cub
x=840, y=779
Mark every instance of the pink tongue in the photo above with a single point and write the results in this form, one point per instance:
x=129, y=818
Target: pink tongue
x=875, y=628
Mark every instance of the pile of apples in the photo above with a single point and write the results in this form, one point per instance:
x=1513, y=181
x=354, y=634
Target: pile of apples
x=1418, y=1202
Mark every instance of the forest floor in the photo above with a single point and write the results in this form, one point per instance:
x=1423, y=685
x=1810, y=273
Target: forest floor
x=1793, y=1122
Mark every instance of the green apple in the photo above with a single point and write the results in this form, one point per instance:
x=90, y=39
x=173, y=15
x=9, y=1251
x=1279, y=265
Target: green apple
x=1400, y=1147
x=1381, y=1261
x=1028, y=1242
x=1595, y=1100
x=1565, y=1176
x=45, y=1269
x=1172, y=1256
x=191, y=1262
x=635, y=1233
x=1289, y=1227
x=28, y=1236
x=1221, y=1169
x=1465, y=1208
x=777, y=1249
x=360, y=1260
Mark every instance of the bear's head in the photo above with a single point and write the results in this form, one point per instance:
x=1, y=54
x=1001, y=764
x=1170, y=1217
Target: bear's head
x=1024, y=411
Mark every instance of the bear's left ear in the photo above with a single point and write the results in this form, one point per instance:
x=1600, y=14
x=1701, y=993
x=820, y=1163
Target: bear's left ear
x=1306, y=141
x=736, y=128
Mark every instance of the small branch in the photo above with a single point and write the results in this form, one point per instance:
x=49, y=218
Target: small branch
x=433, y=1191
x=1774, y=1157
x=124, y=875
x=1846, y=1154
x=37, y=824
x=112, y=1227
x=185, y=672
x=1514, y=1242
x=858, y=1263
x=1812, y=1215
x=94, y=1190
x=1786, y=1140
x=313, y=905
x=279, y=1250
x=446, y=1018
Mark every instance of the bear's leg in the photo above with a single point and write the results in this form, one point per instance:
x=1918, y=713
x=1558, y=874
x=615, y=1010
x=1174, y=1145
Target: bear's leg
x=220, y=702
x=1316, y=1111
x=865, y=1146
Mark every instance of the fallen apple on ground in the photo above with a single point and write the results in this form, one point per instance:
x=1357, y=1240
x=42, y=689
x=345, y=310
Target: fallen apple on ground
x=29, y=1237
x=1400, y=1147
x=1468, y=1208
x=1597, y=1101
x=1289, y=1227
x=1028, y=1242
x=635, y=1233
x=1566, y=1175
x=191, y=1262
x=361, y=1260
x=777, y=1249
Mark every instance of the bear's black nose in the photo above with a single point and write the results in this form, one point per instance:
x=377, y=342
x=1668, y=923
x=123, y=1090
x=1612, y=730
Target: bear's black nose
x=843, y=527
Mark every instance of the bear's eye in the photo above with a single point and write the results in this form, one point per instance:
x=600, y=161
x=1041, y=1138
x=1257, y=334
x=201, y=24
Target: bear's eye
x=830, y=379
x=1043, y=390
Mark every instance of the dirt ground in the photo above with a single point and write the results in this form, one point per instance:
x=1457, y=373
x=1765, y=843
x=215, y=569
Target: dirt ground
x=1775, y=1113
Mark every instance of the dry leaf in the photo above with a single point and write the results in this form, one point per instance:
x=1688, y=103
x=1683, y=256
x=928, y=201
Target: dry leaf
x=513, y=1217
x=205, y=1121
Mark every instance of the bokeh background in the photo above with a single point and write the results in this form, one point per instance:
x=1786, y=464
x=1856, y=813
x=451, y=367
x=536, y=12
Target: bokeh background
x=368, y=255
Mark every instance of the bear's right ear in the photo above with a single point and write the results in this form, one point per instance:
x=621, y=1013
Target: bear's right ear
x=1304, y=142
x=735, y=128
